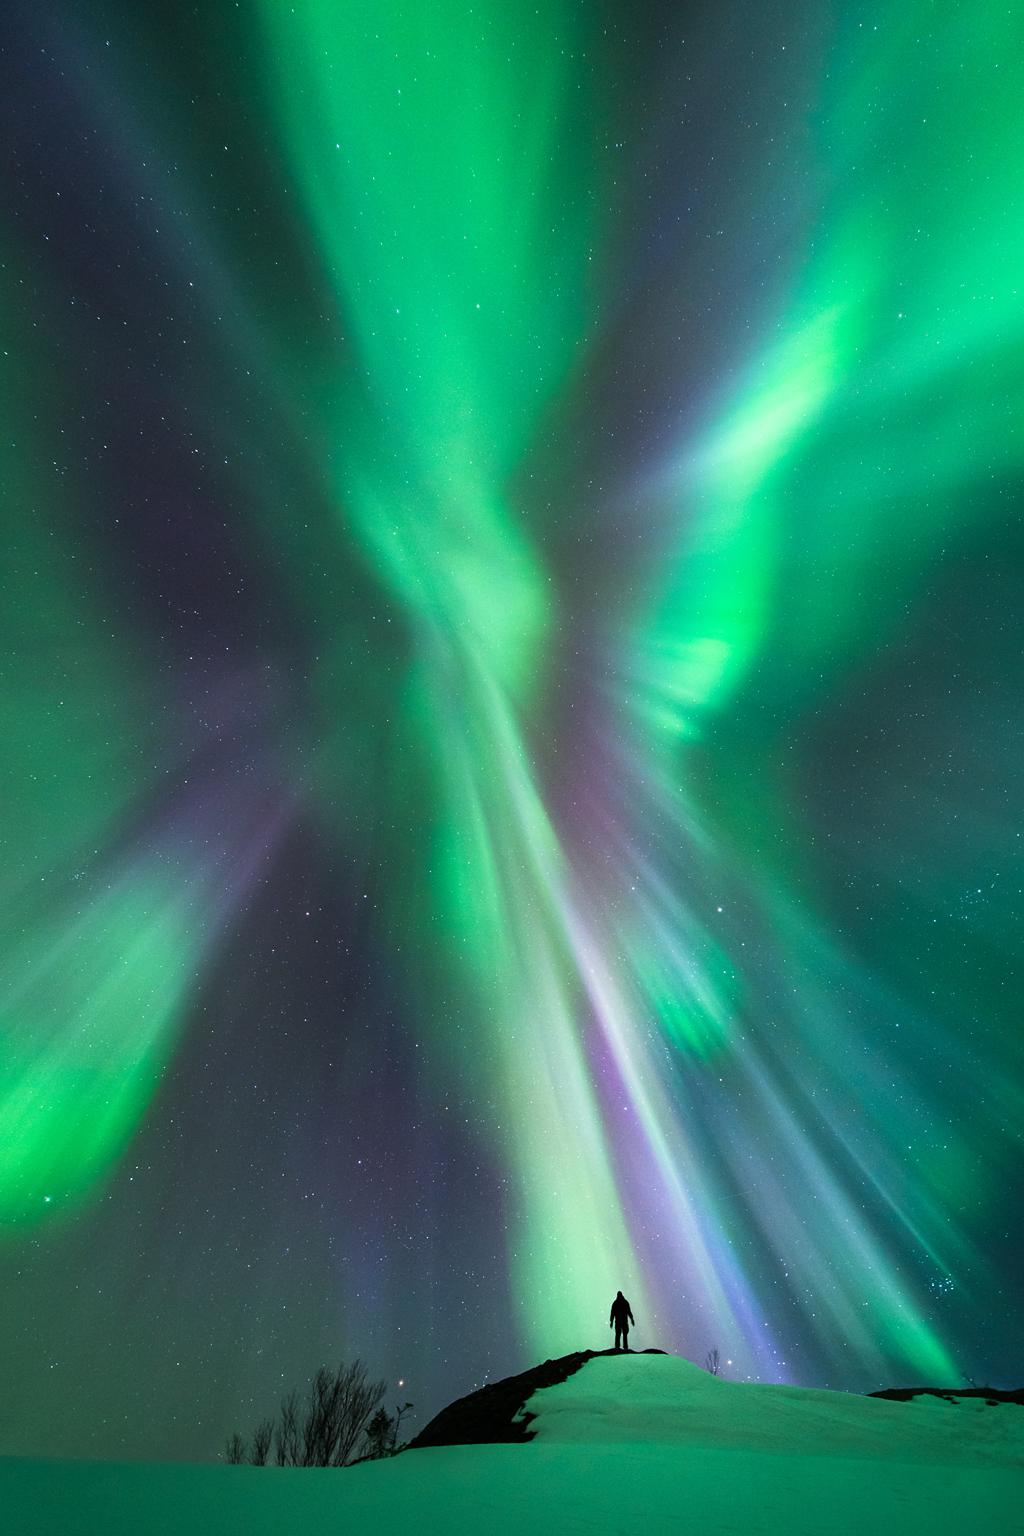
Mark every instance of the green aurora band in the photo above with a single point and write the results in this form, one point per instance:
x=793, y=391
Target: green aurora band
x=674, y=1116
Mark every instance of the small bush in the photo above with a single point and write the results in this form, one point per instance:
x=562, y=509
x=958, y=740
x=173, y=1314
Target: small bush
x=326, y=1428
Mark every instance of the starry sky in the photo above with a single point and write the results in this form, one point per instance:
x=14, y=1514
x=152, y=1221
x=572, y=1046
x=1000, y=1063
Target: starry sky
x=510, y=662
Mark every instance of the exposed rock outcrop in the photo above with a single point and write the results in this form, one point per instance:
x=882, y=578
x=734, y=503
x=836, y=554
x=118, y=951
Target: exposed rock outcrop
x=493, y=1414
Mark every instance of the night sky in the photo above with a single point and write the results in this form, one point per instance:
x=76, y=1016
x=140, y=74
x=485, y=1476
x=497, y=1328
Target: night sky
x=511, y=680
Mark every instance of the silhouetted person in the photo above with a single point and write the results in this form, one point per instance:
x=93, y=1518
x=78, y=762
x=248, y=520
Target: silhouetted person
x=620, y=1319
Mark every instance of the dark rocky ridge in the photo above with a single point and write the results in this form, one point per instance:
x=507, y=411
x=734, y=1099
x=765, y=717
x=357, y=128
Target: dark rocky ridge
x=489, y=1416
x=493, y=1414
x=992, y=1395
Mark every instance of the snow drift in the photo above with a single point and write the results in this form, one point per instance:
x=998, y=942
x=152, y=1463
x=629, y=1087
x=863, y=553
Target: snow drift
x=644, y=1443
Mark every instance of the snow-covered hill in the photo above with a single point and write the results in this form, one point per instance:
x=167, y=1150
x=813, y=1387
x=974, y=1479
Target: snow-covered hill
x=663, y=1400
x=633, y=1443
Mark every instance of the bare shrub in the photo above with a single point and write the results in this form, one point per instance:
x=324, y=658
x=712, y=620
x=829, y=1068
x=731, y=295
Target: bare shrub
x=380, y=1435
x=259, y=1448
x=234, y=1450
x=400, y=1413
x=324, y=1429
x=286, y=1440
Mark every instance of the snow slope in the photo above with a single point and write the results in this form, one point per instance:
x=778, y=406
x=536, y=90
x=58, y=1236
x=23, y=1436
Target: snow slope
x=663, y=1400
x=637, y=1443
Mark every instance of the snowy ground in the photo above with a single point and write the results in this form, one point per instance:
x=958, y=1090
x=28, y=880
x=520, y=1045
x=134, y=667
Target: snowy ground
x=642, y=1443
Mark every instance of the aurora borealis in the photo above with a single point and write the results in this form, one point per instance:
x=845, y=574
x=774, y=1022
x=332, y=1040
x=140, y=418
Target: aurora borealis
x=511, y=670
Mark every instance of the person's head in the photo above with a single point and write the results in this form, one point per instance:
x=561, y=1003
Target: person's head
x=618, y=1295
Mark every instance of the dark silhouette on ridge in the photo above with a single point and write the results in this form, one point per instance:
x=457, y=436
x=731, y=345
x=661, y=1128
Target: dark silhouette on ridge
x=620, y=1318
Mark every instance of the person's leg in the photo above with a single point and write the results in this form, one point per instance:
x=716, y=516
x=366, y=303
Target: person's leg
x=625, y=1337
